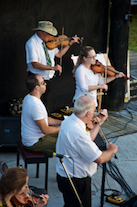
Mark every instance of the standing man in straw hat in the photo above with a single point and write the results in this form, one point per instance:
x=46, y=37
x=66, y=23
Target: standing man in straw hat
x=40, y=59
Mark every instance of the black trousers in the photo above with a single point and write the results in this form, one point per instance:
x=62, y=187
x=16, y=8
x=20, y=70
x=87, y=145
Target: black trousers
x=83, y=188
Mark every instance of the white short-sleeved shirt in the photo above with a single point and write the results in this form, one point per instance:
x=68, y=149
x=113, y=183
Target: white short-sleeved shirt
x=35, y=53
x=74, y=141
x=33, y=109
x=84, y=78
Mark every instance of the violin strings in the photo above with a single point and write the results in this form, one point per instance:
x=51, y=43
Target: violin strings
x=31, y=197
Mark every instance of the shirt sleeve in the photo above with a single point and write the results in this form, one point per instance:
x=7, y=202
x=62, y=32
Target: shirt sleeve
x=37, y=112
x=31, y=53
x=101, y=80
x=81, y=80
x=56, y=50
x=87, y=148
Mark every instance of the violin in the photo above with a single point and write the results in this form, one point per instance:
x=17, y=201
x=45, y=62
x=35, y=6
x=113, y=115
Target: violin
x=97, y=116
x=100, y=68
x=26, y=199
x=60, y=40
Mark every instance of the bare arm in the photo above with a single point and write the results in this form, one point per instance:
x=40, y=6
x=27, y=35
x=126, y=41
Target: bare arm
x=62, y=51
x=119, y=75
x=94, y=131
x=107, y=154
x=45, y=128
x=46, y=67
x=96, y=87
x=52, y=121
x=104, y=86
x=65, y=49
x=109, y=79
x=41, y=66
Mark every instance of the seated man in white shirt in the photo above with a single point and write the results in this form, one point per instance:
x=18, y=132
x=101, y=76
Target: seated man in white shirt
x=37, y=131
x=78, y=143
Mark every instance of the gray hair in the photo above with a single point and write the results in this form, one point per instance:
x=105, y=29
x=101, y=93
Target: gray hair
x=82, y=105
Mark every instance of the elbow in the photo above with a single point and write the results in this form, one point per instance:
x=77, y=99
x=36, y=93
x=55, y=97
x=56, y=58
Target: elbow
x=47, y=133
x=34, y=64
x=84, y=89
x=100, y=160
x=58, y=55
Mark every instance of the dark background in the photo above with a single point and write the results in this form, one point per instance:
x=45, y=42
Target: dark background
x=88, y=19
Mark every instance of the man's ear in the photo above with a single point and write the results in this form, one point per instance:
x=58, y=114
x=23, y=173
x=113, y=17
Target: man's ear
x=37, y=87
x=88, y=113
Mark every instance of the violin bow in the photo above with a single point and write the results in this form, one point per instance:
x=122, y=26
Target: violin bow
x=31, y=196
x=105, y=138
x=61, y=48
x=107, y=46
x=101, y=91
x=106, y=67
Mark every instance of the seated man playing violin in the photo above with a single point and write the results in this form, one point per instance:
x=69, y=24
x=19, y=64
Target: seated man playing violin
x=39, y=58
x=87, y=81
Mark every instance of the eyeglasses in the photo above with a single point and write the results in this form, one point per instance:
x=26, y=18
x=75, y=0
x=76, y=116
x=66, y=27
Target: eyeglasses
x=42, y=83
x=93, y=57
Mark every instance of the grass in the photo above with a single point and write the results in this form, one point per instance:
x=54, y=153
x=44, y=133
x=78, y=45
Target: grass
x=132, y=45
x=132, y=41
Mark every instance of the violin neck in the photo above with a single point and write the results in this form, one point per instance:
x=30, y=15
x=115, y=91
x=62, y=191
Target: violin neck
x=35, y=195
x=63, y=39
x=115, y=71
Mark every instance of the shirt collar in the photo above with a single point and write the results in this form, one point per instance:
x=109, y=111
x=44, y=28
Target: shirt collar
x=38, y=38
x=79, y=121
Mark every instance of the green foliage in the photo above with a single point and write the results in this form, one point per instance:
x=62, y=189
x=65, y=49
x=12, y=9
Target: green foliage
x=132, y=41
x=132, y=45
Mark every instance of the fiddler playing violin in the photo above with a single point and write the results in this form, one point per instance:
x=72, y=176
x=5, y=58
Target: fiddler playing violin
x=88, y=80
x=95, y=120
x=42, y=48
x=13, y=185
x=29, y=198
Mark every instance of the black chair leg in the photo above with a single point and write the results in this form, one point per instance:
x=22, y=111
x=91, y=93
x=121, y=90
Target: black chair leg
x=37, y=172
x=18, y=155
x=46, y=176
x=25, y=165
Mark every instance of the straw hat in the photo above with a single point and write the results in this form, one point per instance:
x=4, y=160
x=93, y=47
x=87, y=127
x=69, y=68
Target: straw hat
x=47, y=26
